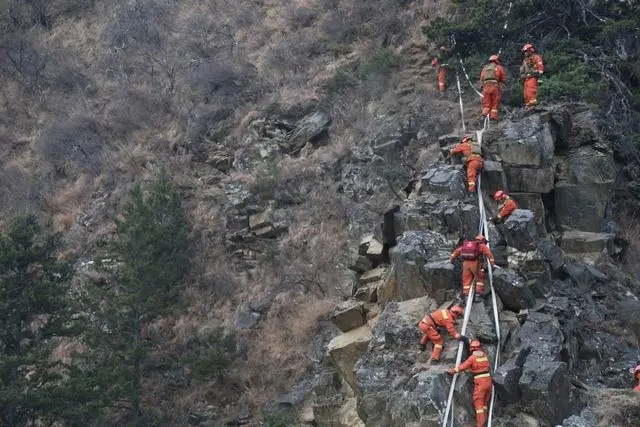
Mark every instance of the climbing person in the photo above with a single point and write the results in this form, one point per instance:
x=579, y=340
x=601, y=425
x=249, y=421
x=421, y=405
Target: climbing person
x=492, y=77
x=472, y=153
x=432, y=322
x=478, y=363
x=531, y=70
x=440, y=63
x=505, y=208
x=636, y=374
x=471, y=252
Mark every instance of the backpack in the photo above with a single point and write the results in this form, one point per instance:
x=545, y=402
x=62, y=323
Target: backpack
x=475, y=147
x=470, y=250
x=490, y=72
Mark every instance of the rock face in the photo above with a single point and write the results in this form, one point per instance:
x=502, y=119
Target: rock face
x=566, y=312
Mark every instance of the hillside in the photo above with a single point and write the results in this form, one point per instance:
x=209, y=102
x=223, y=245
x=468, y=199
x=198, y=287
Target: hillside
x=267, y=137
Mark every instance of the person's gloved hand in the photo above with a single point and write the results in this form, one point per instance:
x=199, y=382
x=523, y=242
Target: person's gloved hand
x=452, y=371
x=423, y=347
x=463, y=339
x=452, y=261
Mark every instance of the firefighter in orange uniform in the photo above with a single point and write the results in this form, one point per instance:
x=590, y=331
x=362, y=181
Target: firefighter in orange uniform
x=472, y=153
x=505, y=208
x=479, y=365
x=439, y=319
x=471, y=252
x=493, y=76
x=531, y=70
x=636, y=375
x=440, y=62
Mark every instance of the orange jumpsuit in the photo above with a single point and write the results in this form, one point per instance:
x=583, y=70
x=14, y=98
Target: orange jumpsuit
x=473, y=269
x=429, y=327
x=442, y=71
x=478, y=363
x=506, y=208
x=474, y=162
x=531, y=63
x=637, y=388
x=492, y=76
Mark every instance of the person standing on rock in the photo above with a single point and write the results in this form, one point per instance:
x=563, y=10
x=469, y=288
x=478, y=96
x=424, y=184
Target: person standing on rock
x=531, y=70
x=505, y=208
x=471, y=252
x=478, y=363
x=493, y=77
x=440, y=63
x=636, y=374
x=473, y=160
x=439, y=319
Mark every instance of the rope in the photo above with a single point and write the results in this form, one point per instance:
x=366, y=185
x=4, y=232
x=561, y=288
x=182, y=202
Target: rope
x=504, y=29
x=464, y=128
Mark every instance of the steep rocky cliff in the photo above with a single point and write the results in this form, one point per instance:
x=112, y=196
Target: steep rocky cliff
x=568, y=313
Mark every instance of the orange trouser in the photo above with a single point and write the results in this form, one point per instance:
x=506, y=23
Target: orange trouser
x=474, y=166
x=481, y=396
x=490, y=100
x=471, y=270
x=442, y=76
x=530, y=91
x=431, y=334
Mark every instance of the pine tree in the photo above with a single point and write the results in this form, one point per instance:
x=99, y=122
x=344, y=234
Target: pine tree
x=151, y=248
x=34, y=310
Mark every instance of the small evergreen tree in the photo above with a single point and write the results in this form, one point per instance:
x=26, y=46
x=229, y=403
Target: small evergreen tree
x=151, y=249
x=34, y=309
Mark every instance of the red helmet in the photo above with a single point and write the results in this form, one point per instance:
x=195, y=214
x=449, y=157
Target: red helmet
x=481, y=238
x=475, y=344
x=457, y=311
x=494, y=58
x=499, y=195
x=528, y=47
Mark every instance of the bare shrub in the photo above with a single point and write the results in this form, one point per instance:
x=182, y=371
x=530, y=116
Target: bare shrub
x=21, y=189
x=20, y=58
x=132, y=109
x=73, y=146
x=221, y=81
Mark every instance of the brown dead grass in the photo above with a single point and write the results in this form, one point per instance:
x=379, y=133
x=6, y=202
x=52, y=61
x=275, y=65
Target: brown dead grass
x=617, y=408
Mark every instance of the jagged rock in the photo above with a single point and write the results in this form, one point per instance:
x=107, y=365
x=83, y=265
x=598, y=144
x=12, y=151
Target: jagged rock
x=530, y=264
x=307, y=130
x=348, y=315
x=583, y=275
x=520, y=231
x=545, y=389
x=410, y=277
x=585, y=419
x=363, y=247
x=368, y=293
x=529, y=180
x=527, y=142
x=375, y=275
x=390, y=392
x=512, y=289
x=586, y=177
x=438, y=276
x=260, y=220
x=245, y=317
x=552, y=254
x=507, y=377
x=361, y=264
x=446, y=180
x=345, y=350
x=533, y=202
x=221, y=160
x=493, y=177
x=481, y=324
x=334, y=403
x=574, y=241
x=543, y=333
x=374, y=251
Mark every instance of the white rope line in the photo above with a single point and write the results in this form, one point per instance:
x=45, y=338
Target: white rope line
x=504, y=29
x=464, y=128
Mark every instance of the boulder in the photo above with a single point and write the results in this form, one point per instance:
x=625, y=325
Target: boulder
x=493, y=177
x=582, y=275
x=481, y=324
x=363, y=247
x=446, y=180
x=575, y=241
x=543, y=333
x=439, y=279
x=533, y=202
x=512, y=290
x=545, y=389
x=334, y=403
x=345, y=350
x=307, y=130
x=361, y=264
x=374, y=251
x=530, y=264
x=410, y=276
x=507, y=377
x=529, y=180
x=527, y=142
x=520, y=230
x=395, y=390
x=375, y=275
x=368, y=293
x=551, y=254
x=348, y=315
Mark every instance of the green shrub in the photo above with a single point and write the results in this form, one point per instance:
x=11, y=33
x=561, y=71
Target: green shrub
x=382, y=61
x=278, y=419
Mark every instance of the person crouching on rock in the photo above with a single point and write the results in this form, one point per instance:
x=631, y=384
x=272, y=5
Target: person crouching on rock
x=472, y=153
x=430, y=324
x=505, y=208
x=636, y=374
x=478, y=363
x=471, y=252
